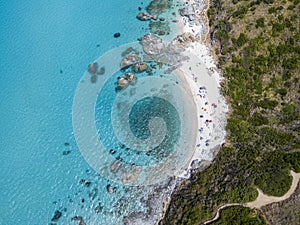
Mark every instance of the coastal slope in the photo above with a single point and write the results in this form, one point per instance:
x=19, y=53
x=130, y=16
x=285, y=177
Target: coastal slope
x=257, y=47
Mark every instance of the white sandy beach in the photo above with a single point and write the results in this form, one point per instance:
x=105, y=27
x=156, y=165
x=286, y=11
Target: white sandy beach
x=204, y=79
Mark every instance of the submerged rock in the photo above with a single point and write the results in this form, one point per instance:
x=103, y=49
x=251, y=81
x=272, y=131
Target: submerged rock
x=98, y=208
x=80, y=219
x=159, y=6
x=145, y=16
x=127, y=51
x=132, y=176
x=116, y=166
x=93, y=79
x=160, y=28
x=101, y=71
x=135, y=218
x=67, y=152
x=116, y=35
x=93, y=194
x=56, y=216
x=152, y=44
x=93, y=67
x=110, y=189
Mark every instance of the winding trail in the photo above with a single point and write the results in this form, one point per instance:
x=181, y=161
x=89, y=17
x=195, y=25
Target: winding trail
x=261, y=200
x=217, y=215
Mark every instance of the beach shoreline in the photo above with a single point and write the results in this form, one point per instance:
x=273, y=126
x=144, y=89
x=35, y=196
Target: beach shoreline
x=202, y=54
x=205, y=104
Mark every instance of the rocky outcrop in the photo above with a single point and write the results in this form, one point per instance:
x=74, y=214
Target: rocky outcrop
x=185, y=39
x=152, y=44
x=187, y=13
x=129, y=60
x=123, y=83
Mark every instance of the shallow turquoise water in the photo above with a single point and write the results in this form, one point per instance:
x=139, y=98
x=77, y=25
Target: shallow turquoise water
x=46, y=47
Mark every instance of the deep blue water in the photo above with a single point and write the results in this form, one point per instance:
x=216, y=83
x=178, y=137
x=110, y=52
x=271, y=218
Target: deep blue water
x=45, y=48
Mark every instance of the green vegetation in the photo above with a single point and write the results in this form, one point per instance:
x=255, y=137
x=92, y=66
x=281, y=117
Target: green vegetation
x=239, y=215
x=258, y=46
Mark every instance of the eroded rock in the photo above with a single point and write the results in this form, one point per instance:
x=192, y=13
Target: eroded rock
x=140, y=67
x=129, y=60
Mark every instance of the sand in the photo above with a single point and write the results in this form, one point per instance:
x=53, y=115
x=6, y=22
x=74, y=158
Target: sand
x=204, y=80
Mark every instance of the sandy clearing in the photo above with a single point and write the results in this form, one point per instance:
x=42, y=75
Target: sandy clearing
x=264, y=199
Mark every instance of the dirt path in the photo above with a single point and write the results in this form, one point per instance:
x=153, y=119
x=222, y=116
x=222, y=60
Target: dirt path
x=217, y=215
x=261, y=199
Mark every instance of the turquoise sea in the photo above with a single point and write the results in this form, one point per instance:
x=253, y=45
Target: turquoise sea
x=45, y=48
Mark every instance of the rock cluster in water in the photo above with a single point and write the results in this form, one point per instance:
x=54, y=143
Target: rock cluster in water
x=93, y=70
x=143, y=16
x=157, y=51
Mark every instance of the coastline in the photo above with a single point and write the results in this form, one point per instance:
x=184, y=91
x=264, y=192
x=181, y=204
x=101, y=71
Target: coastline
x=239, y=58
x=196, y=79
x=201, y=49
